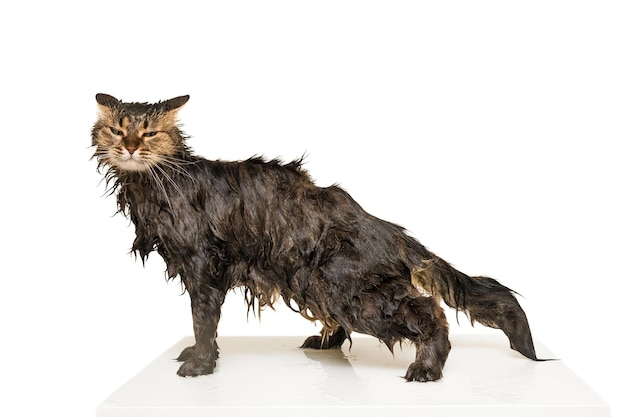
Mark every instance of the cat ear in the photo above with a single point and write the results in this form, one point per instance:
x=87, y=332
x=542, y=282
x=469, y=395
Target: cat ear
x=175, y=103
x=106, y=100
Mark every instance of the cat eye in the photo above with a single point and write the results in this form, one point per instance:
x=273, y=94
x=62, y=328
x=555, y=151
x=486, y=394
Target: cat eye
x=116, y=132
x=150, y=134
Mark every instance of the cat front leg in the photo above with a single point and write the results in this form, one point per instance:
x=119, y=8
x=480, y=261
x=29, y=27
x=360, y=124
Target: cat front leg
x=189, y=352
x=206, y=305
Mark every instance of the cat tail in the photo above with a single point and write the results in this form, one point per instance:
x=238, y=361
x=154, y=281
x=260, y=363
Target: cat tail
x=482, y=299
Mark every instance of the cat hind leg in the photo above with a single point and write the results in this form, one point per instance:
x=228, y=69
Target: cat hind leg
x=430, y=357
x=427, y=328
x=395, y=311
x=328, y=339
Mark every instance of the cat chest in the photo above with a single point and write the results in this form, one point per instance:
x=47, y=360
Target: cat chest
x=156, y=225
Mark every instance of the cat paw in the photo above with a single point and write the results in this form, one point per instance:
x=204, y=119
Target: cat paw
x=333, y=341
x=420, y=373
x=313, y=342
x=190, y=352
x=186, y=354
x=196, y=367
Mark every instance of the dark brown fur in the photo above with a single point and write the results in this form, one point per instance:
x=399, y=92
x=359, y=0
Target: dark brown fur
x=265, y=226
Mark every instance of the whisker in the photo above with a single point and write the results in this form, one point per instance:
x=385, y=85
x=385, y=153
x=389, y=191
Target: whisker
x=179, y=161
x=159, y=183
x=173, y=164
x=169, y=179
x=160, y=169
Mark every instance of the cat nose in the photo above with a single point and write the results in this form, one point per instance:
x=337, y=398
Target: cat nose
x=131, y=149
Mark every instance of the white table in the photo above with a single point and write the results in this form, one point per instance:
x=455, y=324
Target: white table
x=271, y=376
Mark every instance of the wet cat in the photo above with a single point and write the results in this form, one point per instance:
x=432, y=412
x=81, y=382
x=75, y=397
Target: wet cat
x=265, y=226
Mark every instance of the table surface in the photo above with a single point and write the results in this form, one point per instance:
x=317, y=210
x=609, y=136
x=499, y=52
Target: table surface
x=272, y=376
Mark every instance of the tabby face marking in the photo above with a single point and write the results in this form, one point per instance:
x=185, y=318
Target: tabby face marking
x=136, y=136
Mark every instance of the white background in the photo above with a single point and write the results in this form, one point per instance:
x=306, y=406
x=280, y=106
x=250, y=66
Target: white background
x=493, y=131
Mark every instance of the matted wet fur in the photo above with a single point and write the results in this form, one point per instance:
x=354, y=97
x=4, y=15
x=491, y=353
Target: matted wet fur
x=265, y=226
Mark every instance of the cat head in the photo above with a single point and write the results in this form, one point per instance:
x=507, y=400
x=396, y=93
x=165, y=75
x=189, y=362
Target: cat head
x=137, y=136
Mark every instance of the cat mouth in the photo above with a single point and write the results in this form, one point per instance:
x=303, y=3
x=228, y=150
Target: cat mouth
x=132, y=164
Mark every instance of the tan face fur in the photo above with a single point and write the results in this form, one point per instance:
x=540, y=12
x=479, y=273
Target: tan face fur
x=136, y=136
